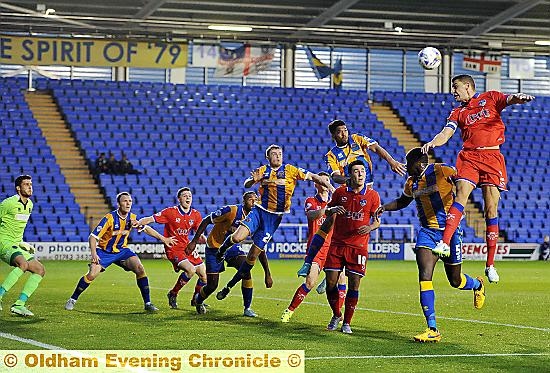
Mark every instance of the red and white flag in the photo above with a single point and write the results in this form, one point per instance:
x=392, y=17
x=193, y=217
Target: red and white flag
x=243, y=61
x=480, y=61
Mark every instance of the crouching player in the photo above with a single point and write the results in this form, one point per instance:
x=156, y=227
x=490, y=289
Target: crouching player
x=430, y=186
x=226, y=220
x=354, y=206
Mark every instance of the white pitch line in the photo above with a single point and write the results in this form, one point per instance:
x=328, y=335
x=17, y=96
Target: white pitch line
x=419, y=315
x=409, y=314
x=30, y=341
x=420, y=356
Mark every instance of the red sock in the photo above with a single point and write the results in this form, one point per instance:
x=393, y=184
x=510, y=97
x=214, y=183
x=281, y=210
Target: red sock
x=341, y=295
x=182, y=280
x=332, y=297
x=453, y=220
x=351, y=302
x=299, y=296
x=491, y=237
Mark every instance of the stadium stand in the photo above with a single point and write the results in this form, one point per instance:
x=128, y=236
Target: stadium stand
x=523, y=208
x=56, y=216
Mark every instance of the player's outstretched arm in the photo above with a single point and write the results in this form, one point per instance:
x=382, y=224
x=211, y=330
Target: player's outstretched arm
x=397, y=167
x=146, y=220
x=200, y=230
x=168, y=241
x=440, y=139
x=267, y=273
x=315, y=214
x=397, y=204
x=319, y=180
x=519, y=98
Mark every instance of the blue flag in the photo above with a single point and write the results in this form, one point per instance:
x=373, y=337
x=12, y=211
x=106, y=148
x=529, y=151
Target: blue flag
x=319, y=68
x=338, y=77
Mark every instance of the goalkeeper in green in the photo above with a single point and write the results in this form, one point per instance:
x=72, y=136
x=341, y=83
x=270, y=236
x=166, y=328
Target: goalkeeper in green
x=15, y=212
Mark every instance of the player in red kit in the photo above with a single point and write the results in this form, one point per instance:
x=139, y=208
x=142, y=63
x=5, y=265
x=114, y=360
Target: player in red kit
x=480, y=162
x=315, y=208
x=179, y=221
x=354, y=205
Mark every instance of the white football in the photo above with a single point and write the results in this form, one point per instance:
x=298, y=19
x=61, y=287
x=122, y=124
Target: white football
x=429, y=58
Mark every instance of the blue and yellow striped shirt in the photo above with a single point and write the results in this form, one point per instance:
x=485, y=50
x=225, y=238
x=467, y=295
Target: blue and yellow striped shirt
x=338, y=158
x=277, y=187
x=112, y=232
x=433, y=194
x=226, y=220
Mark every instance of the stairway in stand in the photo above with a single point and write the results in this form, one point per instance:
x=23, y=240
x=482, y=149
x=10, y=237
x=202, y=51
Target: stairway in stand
x=71, y=162
x=406, y=138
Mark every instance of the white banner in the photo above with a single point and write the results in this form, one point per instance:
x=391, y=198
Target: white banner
x=81, y=250
x=290, y=250
x=205, y=55
x=478, y=251
x=521, y=68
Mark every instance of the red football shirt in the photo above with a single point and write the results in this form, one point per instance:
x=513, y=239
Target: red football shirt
x=179, y=224
x=479, y=120
x=360, y=207
x=313, y=204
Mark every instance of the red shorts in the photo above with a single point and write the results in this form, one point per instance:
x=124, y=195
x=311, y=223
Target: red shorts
x=482, y=167
x=177, y=256
x=353, y=259
x=321, y=255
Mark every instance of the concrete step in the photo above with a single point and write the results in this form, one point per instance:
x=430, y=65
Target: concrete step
x=67, y=154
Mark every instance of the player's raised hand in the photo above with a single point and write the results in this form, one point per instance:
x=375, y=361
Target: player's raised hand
x=379, y=211
x=256, y=175
x=427, y=147
x=520, y=98
x=268, y=281
x=170, y=241
x=398, y=168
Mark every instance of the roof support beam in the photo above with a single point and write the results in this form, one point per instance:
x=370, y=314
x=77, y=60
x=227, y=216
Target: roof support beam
x=499, y=19
x=149, y=8
x=326, y=16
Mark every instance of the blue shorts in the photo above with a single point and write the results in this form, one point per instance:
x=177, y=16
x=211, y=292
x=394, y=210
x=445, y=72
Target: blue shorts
x=428, y=238
x=262, y=225
x=212, y=266
x=106, y=259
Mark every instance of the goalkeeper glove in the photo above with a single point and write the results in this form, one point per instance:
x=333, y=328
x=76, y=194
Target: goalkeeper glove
x=27, y=247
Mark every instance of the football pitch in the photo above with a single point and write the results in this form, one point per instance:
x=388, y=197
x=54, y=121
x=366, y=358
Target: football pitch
x=511, y=332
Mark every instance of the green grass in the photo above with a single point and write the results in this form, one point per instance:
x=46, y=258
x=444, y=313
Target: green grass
x=109, y=316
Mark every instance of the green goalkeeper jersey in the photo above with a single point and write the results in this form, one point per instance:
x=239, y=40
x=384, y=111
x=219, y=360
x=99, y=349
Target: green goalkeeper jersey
x=14, y=216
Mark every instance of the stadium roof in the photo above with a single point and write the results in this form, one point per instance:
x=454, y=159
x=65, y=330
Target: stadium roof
x=499, y=25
